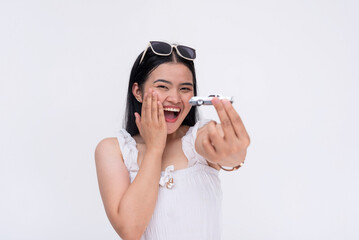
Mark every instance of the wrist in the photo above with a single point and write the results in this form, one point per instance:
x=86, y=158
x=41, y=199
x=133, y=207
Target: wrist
x=231, y=168
x=155, y=151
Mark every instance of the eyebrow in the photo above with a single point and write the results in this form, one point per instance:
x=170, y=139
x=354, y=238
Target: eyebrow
x=168, y=82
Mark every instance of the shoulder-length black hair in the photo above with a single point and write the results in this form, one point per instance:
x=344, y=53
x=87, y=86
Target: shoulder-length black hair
x=140, y=73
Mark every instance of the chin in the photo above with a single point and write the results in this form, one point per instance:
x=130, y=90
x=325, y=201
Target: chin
x=171, y=129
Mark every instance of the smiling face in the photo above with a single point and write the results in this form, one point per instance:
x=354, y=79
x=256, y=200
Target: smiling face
x=173, y=83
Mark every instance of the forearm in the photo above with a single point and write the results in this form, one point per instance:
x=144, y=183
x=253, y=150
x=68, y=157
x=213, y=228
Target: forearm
x=138, y=203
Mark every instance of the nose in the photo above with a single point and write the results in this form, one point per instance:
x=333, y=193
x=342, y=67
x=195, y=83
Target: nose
x=173, y=97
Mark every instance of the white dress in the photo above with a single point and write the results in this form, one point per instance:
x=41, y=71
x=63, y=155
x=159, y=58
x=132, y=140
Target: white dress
x=191, y=208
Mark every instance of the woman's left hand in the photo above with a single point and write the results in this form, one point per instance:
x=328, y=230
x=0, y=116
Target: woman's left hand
x=227, y=143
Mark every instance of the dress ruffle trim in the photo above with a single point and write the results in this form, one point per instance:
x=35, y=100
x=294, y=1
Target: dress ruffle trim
x=188, y=143
x=128, y=149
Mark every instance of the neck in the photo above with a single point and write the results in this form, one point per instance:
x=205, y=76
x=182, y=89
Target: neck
x=179, y=133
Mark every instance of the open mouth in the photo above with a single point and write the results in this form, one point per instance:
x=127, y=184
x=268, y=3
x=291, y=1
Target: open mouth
x=171, y=114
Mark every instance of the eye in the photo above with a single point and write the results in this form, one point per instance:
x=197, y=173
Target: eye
x=162, y=86
x=186, y=89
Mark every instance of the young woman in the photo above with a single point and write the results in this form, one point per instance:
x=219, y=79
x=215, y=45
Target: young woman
x=158, y=177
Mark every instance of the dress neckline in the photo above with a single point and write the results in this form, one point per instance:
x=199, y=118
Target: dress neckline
x=189, y=131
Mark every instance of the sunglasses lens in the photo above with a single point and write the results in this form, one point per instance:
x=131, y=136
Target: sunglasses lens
x=161, y=47
x=187, y=52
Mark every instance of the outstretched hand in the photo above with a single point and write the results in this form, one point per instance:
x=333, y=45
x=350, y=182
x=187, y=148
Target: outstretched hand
x=152, y=124
x=226, y=144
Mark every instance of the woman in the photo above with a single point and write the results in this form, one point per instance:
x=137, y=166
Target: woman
x=158, y=178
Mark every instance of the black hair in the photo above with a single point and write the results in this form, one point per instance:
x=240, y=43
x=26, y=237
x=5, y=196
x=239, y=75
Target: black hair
x=140, y=73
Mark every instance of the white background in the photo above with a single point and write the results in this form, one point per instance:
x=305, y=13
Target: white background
x=292, y=67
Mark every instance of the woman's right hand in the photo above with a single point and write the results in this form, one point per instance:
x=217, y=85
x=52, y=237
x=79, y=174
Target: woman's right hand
x=152, y=124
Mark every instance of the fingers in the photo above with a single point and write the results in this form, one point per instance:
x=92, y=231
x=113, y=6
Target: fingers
x=236, y=120
x=152, y=109
x=214, y=136
x=226, y=122
x=161, y=114
x=208, y=148
x=154, y=105
x=146, y=106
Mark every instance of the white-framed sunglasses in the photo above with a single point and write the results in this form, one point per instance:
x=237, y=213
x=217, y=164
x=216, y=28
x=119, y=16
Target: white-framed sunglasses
x=165, y=49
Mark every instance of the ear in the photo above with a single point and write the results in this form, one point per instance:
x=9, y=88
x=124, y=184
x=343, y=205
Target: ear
x=136, y=91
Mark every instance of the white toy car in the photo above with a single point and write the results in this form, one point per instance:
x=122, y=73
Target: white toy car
x=198, y=101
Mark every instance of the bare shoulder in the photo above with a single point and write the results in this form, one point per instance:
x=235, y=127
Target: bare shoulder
x=109, y=159
x=107, y=147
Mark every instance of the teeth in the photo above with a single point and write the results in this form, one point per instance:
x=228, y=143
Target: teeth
x=171, y=109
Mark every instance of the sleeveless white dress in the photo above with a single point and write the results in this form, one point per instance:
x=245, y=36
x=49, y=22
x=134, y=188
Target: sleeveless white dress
x=191, y=207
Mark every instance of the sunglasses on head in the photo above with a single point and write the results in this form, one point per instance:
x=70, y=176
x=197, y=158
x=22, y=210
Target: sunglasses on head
x=165, y=49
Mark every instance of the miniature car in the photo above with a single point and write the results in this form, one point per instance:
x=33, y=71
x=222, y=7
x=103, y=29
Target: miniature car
x=198, y=101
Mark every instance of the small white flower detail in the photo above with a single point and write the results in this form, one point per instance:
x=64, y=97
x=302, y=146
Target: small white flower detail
x=167, y=179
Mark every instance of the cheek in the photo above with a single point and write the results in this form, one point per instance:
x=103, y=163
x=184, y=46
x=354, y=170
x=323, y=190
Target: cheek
x=187, y=97
x=160, y=96
x=186, y=104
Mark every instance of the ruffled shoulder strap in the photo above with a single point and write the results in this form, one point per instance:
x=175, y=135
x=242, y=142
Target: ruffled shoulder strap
x=128, y=149
x=188, y=142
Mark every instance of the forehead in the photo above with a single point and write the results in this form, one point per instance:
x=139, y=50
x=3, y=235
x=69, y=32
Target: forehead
x=173, y=72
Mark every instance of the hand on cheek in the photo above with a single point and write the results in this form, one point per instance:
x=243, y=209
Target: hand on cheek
x=151, y=123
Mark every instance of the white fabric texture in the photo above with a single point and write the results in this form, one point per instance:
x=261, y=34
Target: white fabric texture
x=191, y=209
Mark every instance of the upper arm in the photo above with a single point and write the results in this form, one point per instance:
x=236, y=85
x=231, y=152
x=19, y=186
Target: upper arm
x=112, y=175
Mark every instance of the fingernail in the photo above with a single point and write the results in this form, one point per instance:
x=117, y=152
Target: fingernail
x=225, y=101
x=215, y=100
